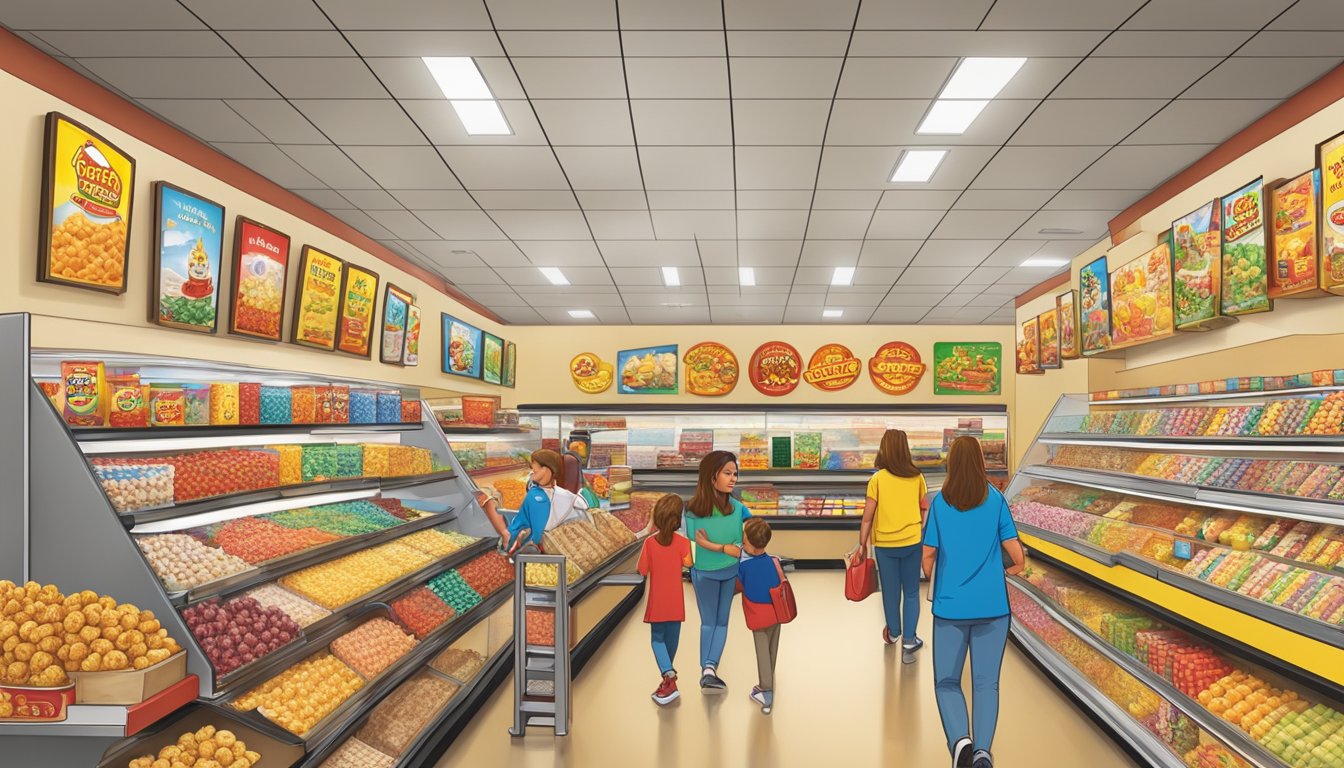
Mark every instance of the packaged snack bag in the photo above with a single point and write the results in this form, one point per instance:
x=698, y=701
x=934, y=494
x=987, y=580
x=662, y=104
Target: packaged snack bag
x=224, y=404
x=197, y=399
x=167, y=406
x=85, y=385
x=55, y=392
x=249, y=403
x=129, y=407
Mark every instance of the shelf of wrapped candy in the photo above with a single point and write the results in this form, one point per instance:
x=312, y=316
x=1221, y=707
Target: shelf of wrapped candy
x=1281, y=417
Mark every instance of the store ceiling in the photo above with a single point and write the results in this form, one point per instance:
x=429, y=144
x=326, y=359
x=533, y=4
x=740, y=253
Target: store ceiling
x=708, y=134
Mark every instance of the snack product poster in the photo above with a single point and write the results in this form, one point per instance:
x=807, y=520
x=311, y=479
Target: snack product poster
x=492, y=359
x=711, y=369
x=1293, y=223
x=1245, y=262
x=1196, y=242
x=318, y=298
x=1029, y=347
x=1049, y=325
x=1330, y=159
x=396, y=313
x=414, y=324
x=775, y=368
x=85, y=225
x=647, y=371
x=1067, y=304
x=461, y=348
x=510, y=364
x=1141, y=299
x=188, y=254
x=260, y=280
x=1094, y=307
x=359, y=299
x=967, y=368
x=896, y=368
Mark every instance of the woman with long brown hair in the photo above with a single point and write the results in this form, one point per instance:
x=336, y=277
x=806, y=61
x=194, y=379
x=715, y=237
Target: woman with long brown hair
x=969, y=536
x=893, y=519
x=714, y=521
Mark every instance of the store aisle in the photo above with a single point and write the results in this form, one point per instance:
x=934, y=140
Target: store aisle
x=843, y=699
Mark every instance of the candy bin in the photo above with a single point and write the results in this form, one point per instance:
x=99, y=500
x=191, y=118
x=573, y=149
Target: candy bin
x=363, y=406
x=130, y=488
x=410, y=411
x=349, y=461
x=303, y=404
x=291, y=463
x=249, y=403
x=129, y=402
x=197, y=399
x=389, y=407
x=167, y=406
x=224, y=404
x=276, y=405
x=333, y=405
x=205, y=474
x=319, y=462
x=479, y=410
x=378, y=459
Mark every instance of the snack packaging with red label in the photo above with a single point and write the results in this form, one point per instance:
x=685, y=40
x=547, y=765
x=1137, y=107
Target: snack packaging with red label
x=129, y=407
x=167, y=406
x=249, y=403
x=41, y=705
x=85, y=385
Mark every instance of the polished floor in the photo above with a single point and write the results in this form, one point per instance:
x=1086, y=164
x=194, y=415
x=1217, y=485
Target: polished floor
x=843, y=700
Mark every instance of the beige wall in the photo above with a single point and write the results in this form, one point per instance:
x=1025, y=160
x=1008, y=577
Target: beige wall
x=1036, y=395
x=72, y=318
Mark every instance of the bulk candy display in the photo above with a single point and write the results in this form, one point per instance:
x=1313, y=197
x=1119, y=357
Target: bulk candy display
x=237, y=633
x=303, y=695
x=372, y=647
x=421, y=611
x=209, y=744
x=183, y=562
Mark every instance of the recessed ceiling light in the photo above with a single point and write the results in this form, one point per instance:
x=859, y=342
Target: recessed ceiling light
x=670, y=277
x=981, y=77
x=1045, y=261
x=833, y=313
x=554, y=275
x=581, y=314
x=458, y=77
x=746, y=276
x=482, y=118
x=918, y=165
x=951, y=117
x=1059, y=231
x=842, y=276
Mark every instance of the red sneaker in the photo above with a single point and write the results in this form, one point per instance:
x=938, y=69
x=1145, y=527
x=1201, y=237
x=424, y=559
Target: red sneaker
x=887, y=638
x=667, y=692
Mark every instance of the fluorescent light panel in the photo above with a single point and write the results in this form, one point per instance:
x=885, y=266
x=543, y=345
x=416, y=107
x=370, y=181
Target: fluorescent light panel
x=482, y=118
x=462, y=84
x=918, y=165
x=554, y=275
x=1045, y=261
x=833, y=313
x=670, y=277
x=981, y=77
x=951, y=117
x=746, y=276
x=581, y=314
x=842, y=276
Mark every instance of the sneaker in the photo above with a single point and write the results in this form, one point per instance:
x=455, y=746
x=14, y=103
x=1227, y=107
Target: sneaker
x=711, y=682
x=667, y=692
x=982, y=760
x=765, y=698
x=910, y=651
x=887, y=638
x=961, y=753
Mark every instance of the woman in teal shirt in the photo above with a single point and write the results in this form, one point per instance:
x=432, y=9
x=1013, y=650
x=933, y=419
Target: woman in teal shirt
x=714, y=522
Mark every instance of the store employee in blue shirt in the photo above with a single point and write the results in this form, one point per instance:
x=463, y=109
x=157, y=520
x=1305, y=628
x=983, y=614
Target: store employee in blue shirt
x=969, y=532
x=546, y=504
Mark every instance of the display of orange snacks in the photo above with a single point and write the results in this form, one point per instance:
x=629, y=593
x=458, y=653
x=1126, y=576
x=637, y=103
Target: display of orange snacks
x=208, y=745
x=47, y=635
x=301, y=696
x=372, y=647
x=512, y=491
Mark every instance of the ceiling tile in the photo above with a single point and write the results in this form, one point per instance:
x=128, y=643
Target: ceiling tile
x=901, y=225
x=416, y=43
x=1188, y=42
x=784, y=78
x=574, y=14
x=207, y=119
x=1312, y=14
x=1007, y=291
x=556, y=43
x=702, y=200
x=917, y=14
x=562, y=253
x=872, y=122
x=361, y=221
x=678, y=122
x=739, y=315
x=258, y=42
x=900, y=315
x=601, y=167
x=868, y=280
x=631, y=276
x=771, y=225
x=379, y=122
x=677, y=78
x=691, y=224
x=917, y=200
x=942, y=275
x=325, y=198
x=1206, y=14
x=434, y=200
x=95, y=43
x=960, y=225
x=531, y=278
x=331, y=165
x=1026, y=277
x=1034, y=44
x=687, y=167
x=1013, y=252
x=278, y=120
x=1094, y=200
x=505, y=167
x=955, y=253
x=772, y=199
x=374, y=200
x=621, y=225
x=888, y=253
x=1140, y=167
x=576, y=78
x=407, y=14
x=789, y=14
x=1060, y=122
x=1133, y=78
x=641, y=253
x=682, y=42
x=770, y=121
x=402, y=224
x=846, y=199
x=776, y=167
x=894, y=78
x=839, y=224
x=273, y=164
x=697, y=315
x=612, y=200
x=658, y=14
x=461, y=225
x=1003, y=199
x=1036, y=167
x=768, y=253
x=1272, y=44
x=1262, y=78
x=1201, y=121
x=500, y=253
x=1092, y=224
x=437, y=120
x=832, y=253
x=181, y=78
x=922, y=296
x=526, y=200
x=776, y=43
x=985, y=276
x=542, y=225
x=520, y=316
x=320, y=78
x=585, y=122
x=1058, y=14
x=87, y=14
x=871, y=167
x=404, y=167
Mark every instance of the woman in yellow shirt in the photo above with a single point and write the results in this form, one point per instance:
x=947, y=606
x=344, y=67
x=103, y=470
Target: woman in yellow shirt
x=893, y=521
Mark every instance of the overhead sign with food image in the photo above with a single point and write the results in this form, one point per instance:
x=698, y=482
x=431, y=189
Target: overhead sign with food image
x=87, y=190
x=896, y=368
x=461, y=348
x=1029, y=347
x=1196, y=243
x=832, y=368
x=1330, y=159
x=1067, y=303
x=1049, y=325
x=1293, y=216
x=590, y=374
x=775, y=368
x=1141, y=299
x=648, y=371
x=317, y=300
x=967, y=368
x=711, y=369
x=1094, y=307
x=1245, y=263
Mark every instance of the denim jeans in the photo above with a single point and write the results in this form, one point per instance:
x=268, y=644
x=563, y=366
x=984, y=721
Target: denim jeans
x=714, y=597
x=985, y=639
x=898, y=572
x=666, y=636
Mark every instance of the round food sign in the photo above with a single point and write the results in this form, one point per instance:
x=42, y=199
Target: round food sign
x=711, y=369
x=590, y=374
x=896, y=368
x=832, y=368
x=774, y=368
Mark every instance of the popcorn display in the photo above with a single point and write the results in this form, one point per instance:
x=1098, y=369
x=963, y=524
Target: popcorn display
x=301, y=696
x=399, y=718
x=236, y=633
x=258, y=540
x=421, y=611
x=337, y=582
x=452, y=589
x=459, y=663
x=548, y=574
x=47, y=635
x=434, y=542
x=372, y=647
x=356, y=754
x=205, y=747
x=487, y=573
x=303, y=612
x=135, y=488
x=183, y=562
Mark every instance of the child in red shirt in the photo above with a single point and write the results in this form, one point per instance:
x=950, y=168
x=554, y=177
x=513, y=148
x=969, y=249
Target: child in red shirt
x=661, y=561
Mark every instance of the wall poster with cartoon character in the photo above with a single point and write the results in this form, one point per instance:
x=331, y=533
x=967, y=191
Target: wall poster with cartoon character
x=188, y=244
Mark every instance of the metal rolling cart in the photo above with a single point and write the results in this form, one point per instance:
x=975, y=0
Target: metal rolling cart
x=541, y=673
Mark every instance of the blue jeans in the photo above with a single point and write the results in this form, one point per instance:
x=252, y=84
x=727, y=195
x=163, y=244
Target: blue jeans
x=898, y=572
x=666, y=636
x=985, y=638
x=714, y=596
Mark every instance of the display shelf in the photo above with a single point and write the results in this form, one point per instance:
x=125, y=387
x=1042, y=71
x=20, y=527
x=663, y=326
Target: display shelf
x=103, y=440
x=433, y=742
x=455, y=431
x=1225, y=732
x=277, y=749
x=110, y=721
x=1266, y=443
x=505, y=470
x=1263, y=394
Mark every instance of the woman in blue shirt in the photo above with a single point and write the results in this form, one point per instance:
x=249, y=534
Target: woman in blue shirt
x=546, y=505
x=969, y=531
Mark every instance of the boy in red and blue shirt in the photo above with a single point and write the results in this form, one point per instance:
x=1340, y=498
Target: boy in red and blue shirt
x=758, y=573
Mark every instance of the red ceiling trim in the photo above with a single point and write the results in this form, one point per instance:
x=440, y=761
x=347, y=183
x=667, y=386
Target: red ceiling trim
x=33, y=66
x=1049, y=285
x=1305, y=103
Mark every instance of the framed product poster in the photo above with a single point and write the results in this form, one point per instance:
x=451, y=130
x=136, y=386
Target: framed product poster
x=1141, y=299
x=648, y=371
x=1048, y=321
x=1029, y=347
x=1245, y=262
x=87, y=190
x=1067, y=304
x=1196, y=243
x=411, y=356
x=359, y=298
x=1094, y=307
x=492, y=359
x=967, y=368
x=1292, y=205
x=461, y=348
x=260, y=280
x=510, y=364
x=188, y=254
x=1330, y=212
x=396, y=311
x=315, y=306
